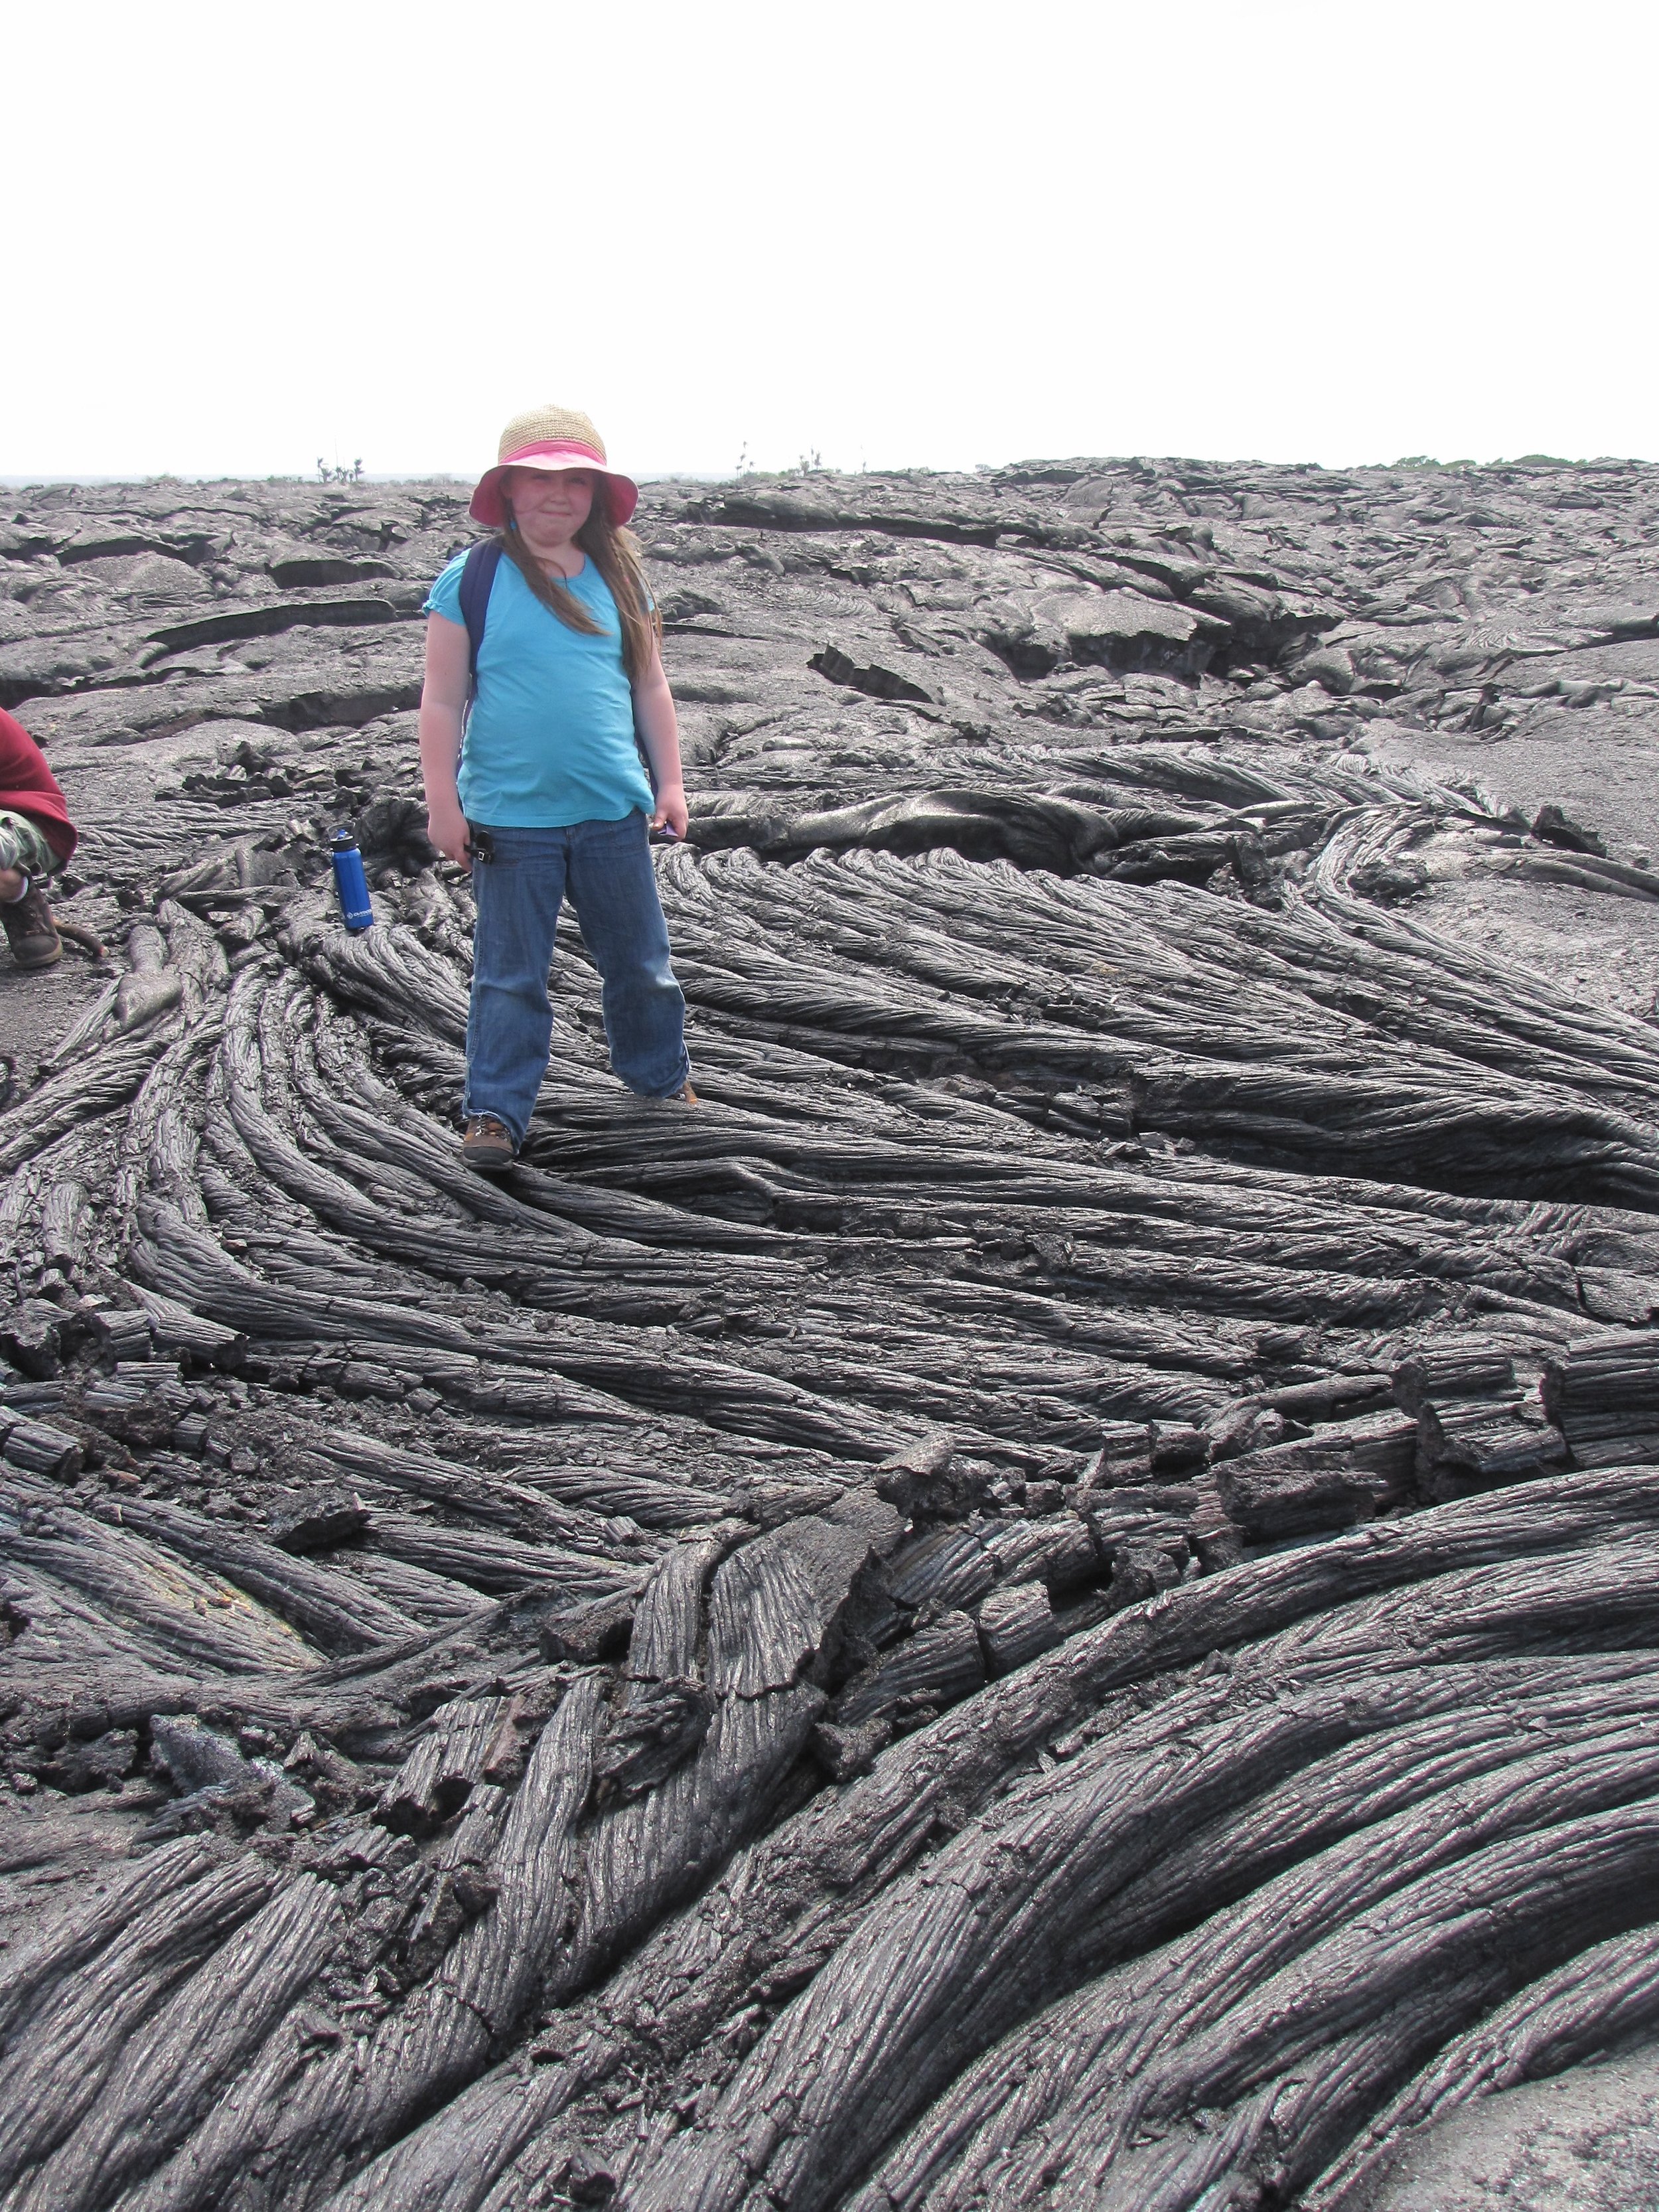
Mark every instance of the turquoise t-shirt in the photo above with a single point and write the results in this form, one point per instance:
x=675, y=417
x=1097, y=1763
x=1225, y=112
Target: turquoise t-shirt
x=549, y=740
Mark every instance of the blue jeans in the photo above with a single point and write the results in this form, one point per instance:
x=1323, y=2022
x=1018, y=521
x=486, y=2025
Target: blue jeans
x=606, y=868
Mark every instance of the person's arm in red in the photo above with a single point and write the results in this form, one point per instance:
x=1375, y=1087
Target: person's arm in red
x=27, y=786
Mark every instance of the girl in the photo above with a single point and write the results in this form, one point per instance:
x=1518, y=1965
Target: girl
x=552, y=793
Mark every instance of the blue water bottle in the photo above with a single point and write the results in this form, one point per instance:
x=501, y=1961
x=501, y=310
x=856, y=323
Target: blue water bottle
x=352, y=883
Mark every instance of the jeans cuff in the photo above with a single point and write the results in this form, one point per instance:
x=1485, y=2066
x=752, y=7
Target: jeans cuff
x=673, y=1089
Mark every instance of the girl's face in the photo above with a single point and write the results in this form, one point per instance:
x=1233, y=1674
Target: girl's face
x=550, y=504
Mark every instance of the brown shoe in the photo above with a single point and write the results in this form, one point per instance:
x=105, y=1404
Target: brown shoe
x=487, y=1144
x=31, y=931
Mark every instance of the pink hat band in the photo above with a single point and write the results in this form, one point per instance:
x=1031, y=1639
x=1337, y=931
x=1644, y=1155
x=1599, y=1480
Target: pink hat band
x=571, y=449
x=622, y=494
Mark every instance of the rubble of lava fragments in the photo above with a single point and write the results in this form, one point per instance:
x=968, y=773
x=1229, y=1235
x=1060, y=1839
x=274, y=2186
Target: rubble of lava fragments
x=1054, y=1601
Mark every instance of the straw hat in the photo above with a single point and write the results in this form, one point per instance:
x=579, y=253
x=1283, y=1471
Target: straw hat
x=551, y=438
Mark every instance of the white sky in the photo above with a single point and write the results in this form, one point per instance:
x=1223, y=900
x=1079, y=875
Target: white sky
x=242, y=235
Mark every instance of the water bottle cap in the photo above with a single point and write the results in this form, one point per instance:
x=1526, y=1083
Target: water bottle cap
x=345, y=841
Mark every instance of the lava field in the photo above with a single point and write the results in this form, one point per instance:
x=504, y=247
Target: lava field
x=1053, y=1600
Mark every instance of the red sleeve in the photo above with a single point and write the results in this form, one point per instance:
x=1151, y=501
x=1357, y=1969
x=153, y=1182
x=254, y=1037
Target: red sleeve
x=29, y=787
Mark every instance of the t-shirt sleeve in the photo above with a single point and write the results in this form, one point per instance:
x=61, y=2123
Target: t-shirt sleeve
x=445, y=596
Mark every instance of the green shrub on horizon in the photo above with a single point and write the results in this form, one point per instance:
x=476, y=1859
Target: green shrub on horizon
x=1521, y=461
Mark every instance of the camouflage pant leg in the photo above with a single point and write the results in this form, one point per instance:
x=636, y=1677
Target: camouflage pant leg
x=22, y=845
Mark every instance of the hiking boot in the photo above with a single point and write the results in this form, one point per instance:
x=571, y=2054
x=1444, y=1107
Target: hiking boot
x=31, y=931
x=487, y=1144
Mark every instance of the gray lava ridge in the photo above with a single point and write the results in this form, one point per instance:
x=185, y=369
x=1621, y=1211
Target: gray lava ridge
x=1053, y=1600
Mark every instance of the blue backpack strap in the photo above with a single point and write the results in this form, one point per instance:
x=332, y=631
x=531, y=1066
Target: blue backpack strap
x=477, y=577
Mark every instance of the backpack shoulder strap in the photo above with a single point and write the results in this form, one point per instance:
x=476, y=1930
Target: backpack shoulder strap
x=477, y=577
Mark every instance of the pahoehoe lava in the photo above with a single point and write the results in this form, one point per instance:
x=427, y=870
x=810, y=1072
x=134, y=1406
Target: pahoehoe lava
x=1053, y=1599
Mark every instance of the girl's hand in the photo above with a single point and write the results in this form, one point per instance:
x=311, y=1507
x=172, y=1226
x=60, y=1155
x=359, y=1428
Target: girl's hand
x=443, y=704
x=445, y=825
x=670, y=812
x=11, y=886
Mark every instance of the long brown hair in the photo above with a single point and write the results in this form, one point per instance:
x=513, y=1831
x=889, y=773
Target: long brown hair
x=616, y=554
